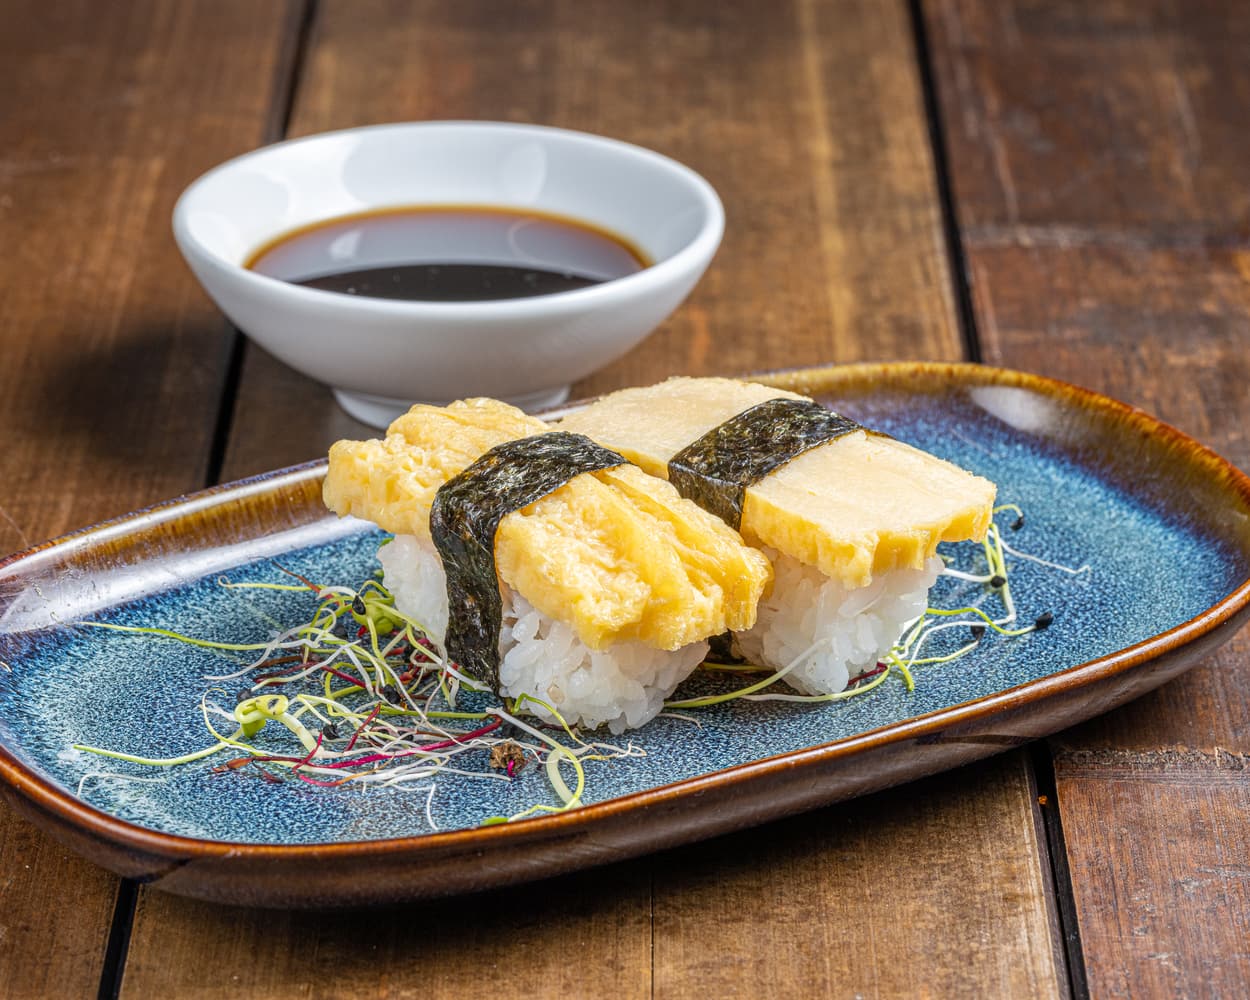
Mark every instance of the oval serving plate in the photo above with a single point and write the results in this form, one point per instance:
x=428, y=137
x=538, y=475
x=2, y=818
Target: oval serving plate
x=1103, y=486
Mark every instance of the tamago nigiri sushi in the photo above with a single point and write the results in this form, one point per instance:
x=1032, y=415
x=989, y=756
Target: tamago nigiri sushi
x=544, y=563
x=849, y=518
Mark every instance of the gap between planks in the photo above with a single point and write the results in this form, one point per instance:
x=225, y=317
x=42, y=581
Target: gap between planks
x=1041, y=761
x=286, y=81
x=958, y=262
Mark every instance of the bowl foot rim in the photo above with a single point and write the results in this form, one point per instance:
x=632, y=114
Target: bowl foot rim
x=379, y=411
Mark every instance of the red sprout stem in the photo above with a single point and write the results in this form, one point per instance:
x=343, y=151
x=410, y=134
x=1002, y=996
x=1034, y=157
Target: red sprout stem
x=457, y=740
x=427, y=748
x=356, y=735
x=311, y=753
x=302, y=579
x=273, y=675
x=355, y=681
x=372, y=758
x=375, y=758
x=232, y=765
x=868, y=675
x=323, y=784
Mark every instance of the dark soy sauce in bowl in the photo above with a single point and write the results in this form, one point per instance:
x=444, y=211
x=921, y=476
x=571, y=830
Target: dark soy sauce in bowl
x=450, y=253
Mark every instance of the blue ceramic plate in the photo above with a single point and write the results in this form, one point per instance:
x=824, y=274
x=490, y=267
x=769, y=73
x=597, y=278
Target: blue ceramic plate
x=1119, y=510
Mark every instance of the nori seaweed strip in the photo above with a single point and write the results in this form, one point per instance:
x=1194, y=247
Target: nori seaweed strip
x=720, y=649
x=717, y=469
x=465, y=516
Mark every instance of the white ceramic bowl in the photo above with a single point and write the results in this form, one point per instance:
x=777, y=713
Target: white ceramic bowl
x=381, y=355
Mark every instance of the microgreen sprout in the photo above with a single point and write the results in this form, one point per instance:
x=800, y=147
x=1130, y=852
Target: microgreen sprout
x=906, y=653
x=368, y=698
x=360, y=693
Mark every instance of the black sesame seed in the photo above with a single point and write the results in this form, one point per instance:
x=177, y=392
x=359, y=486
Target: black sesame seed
x=391, y=693
x=977, y=631
x=330, y=731
x=1018, y=523
x=358, y=605
x=997, y=580
x=1043, y=621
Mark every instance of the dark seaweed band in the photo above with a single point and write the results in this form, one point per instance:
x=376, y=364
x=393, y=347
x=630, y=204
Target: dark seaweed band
x=716, y=470
x=465, y=516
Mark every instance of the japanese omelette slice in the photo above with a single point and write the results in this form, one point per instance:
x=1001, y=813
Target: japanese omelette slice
x=545, y=564
x=849, y=518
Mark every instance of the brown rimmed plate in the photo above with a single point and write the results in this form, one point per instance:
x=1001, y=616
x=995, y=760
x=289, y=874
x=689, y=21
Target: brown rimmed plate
x=1119, y=508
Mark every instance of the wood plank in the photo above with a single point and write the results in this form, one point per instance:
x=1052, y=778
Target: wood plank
x=282, y=418
x=106, y=333
x=581, y=935
x=1118, y=114
x=808, y=118
x=1151, y=310
x=805, y=116
x=1163, y=329
x=930, y=890
x=1162, y=823
x=955, y=852
x=55, y=921
x=1099, y=157
x=1159, y=327
x=106, y=114
x=833, y=249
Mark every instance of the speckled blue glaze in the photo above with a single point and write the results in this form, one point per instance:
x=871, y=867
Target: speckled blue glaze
x=141, y=694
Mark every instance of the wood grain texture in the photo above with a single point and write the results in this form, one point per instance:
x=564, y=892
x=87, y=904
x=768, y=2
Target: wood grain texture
x=1118, y=114
x=1155, y=318
x=1140, y=824
x=113, y=358
x=1149, y=308
x=933, y=890
x=282, y=418
x=806, y=117
x=1163, y=329
x=582, y=935
x=55, y=920
x=1173, y=344
x=107, y=337
x=1099, y=183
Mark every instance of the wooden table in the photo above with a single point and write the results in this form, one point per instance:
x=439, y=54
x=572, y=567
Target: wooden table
x=1058, y=187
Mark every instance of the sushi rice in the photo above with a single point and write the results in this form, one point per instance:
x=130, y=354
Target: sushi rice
x=622, y=687
x=839, y=632
x=843, y=631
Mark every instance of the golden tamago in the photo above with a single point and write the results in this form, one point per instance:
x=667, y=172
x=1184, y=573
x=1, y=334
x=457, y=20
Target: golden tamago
x=617, y=554
x=854, y=507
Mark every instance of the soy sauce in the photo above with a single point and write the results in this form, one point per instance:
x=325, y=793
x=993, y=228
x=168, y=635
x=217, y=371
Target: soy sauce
x=453, y=253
